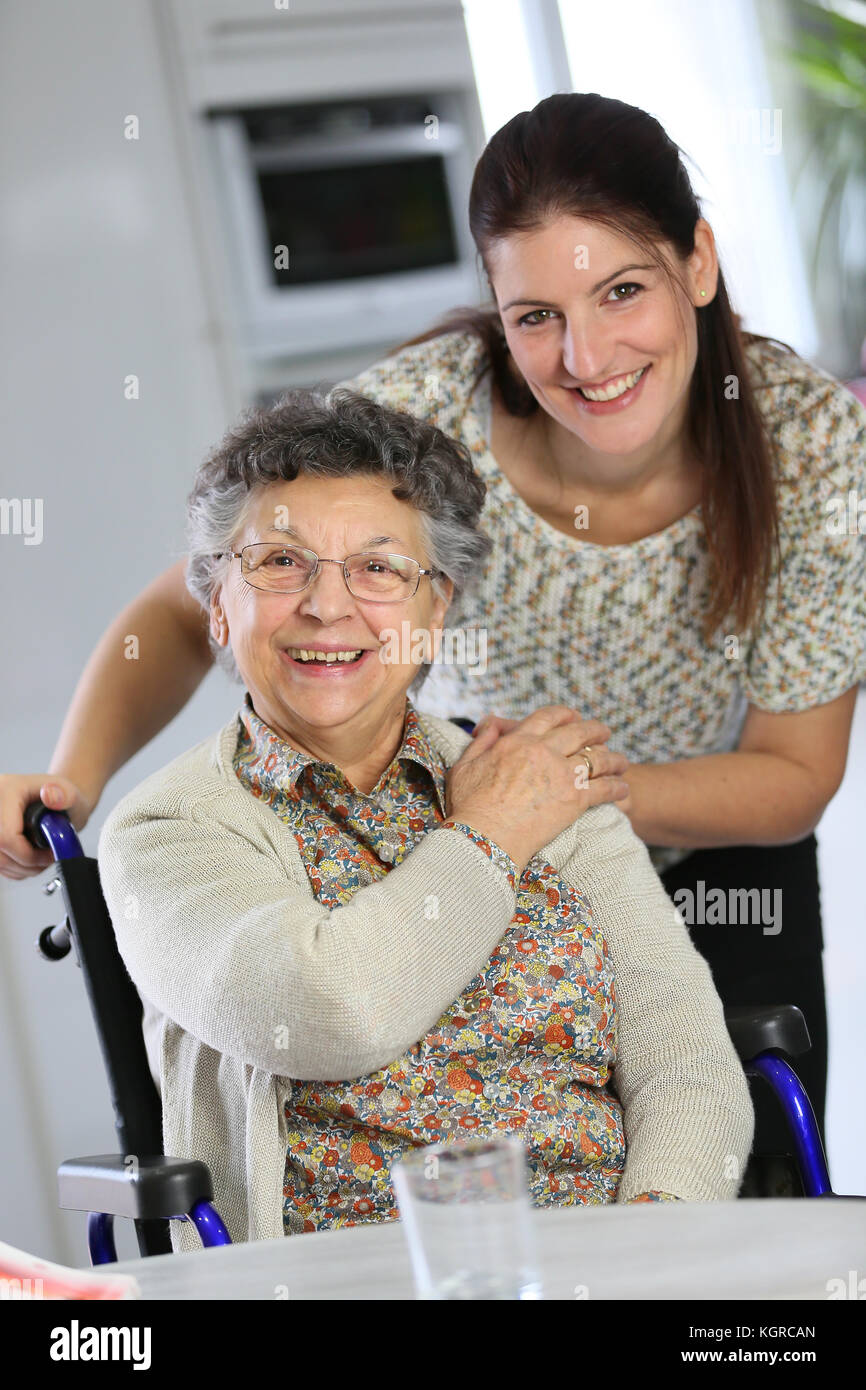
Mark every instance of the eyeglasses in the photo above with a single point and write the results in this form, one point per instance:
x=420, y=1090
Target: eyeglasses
x=370, y=576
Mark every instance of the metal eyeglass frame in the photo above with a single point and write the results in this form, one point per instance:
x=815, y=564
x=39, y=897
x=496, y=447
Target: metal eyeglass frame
x=323, y=560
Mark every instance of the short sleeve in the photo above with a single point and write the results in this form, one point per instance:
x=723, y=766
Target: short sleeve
x=396, y=381
x=431, y=380
x=810, y=644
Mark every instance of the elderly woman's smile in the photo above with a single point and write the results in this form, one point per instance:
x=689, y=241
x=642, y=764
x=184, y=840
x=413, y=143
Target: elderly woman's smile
x=310, y=657
x=329, y=657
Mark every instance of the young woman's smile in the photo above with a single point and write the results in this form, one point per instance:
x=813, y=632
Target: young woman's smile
x=617, y=393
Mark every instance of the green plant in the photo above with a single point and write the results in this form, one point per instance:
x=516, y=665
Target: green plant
x=830, y=59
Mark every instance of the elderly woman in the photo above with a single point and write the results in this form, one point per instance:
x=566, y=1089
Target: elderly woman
x=357, y=930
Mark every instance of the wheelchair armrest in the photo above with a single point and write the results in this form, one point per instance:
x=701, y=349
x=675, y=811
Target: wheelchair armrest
x=145, y=1189
x=758, y=1028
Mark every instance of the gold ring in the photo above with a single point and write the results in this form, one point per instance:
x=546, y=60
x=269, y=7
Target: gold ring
x=584, y=753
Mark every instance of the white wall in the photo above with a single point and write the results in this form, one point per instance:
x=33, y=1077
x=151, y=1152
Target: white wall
x=101, y=277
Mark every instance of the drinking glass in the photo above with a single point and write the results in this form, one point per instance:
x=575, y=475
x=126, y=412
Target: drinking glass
x=467, y=1216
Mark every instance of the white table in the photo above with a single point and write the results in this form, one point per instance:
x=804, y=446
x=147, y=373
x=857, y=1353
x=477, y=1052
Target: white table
x=769, y=1248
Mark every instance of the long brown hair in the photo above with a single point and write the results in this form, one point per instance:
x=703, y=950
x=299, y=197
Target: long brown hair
x=588, y=156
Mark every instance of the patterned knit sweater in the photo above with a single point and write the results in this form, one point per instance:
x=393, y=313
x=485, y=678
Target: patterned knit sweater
x=615, y=631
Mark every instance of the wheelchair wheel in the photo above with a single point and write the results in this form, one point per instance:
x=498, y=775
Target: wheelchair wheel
x=771, y=1175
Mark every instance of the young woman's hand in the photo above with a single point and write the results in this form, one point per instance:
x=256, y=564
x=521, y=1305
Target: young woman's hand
x=497, y=722
x=18, y=858
x=504, y=726
x=520, y=787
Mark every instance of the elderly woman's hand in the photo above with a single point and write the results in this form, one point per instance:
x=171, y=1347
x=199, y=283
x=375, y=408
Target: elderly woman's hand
x=523, y=786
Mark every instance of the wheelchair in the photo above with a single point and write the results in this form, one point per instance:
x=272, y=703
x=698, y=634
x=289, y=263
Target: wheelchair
x=151, y=1188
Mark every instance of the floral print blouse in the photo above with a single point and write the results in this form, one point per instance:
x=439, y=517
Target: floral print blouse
x=615, y=631
x=527, y=1049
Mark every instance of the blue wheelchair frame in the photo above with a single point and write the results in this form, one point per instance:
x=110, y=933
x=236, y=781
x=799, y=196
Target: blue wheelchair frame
x=151, y=1189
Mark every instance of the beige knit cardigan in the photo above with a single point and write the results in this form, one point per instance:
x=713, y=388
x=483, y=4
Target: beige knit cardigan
x=247, y=980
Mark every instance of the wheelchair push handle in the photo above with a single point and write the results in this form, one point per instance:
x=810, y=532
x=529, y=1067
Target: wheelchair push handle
x=47, y=829
x=52, y=830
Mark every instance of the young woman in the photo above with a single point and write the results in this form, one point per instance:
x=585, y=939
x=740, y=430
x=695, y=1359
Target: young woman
x=663, y=559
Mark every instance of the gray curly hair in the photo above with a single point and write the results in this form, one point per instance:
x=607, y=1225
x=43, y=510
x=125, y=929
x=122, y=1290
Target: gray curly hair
x=335, y=435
